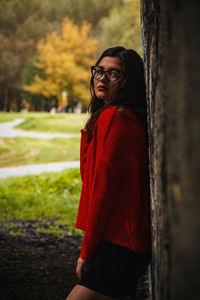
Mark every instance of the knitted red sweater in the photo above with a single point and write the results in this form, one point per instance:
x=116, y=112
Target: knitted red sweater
x=114, y=195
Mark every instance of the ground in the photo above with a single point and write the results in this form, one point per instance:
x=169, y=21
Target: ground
x=41, y=266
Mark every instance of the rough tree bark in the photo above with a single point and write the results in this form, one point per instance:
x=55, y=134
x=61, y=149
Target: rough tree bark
x=171, y=54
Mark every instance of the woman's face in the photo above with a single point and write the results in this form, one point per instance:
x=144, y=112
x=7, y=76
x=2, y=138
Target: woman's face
x=104, y=89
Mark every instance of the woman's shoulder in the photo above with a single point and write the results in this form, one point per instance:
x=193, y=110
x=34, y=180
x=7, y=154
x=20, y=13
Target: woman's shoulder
x=108, y=111
x=118, y=113
x=106, y=116
x=119, y=120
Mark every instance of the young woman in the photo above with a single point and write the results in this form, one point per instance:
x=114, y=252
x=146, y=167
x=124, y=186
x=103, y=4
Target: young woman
x=114, y=203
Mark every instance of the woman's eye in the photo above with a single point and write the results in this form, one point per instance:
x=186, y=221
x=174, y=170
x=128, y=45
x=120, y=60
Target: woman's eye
x=99, y=72
x=115, y=73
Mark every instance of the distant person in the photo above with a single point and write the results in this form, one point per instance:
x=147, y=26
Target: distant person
x=53, y=111
x=59, y=109
x=114, y=203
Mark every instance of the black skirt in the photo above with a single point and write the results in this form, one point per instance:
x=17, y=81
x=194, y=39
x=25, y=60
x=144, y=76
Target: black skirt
x=114, y=270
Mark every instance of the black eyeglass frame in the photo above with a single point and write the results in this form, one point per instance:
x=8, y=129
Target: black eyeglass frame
x=94, y=68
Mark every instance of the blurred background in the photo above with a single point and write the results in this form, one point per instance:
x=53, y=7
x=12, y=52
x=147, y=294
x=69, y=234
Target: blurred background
x=47, y=48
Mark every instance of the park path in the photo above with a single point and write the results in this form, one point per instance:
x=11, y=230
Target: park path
x=7, y=130
x=37, y=168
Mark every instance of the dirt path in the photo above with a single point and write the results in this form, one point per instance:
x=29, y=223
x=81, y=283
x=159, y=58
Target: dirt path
x=37, y=267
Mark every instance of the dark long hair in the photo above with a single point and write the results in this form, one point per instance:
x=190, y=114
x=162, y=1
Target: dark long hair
x=132, y=93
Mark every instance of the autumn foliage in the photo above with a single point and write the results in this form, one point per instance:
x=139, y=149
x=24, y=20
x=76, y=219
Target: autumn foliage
x=65, y=58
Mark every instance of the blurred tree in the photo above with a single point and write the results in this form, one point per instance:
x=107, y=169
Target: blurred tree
x=90, y=10
x=65, y=59
x=36, y=102
x=20, y=27
x=13, y=54
x=24, y=22
x=122, y=27
x=24, y=16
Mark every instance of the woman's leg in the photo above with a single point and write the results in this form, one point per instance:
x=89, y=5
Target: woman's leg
x=80, y=292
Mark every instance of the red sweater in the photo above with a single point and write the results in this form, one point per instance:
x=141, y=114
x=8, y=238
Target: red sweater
x=114, y=195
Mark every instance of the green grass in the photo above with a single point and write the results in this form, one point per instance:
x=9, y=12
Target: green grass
x=45, y=122
x=50, y=196
x=51, y=199
x=6, y=117
x=24, y=151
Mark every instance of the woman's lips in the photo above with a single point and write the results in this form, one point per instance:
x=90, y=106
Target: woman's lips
x=101, y=88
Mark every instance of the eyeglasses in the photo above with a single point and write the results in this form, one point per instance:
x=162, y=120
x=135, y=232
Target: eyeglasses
x=110, y=75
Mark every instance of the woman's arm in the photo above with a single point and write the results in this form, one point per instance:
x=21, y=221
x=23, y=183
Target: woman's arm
x=104, y=193
x=104, y=189
x=83, y=149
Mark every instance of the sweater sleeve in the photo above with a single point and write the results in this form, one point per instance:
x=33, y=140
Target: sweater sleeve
x=104, y=188
x=83, y=151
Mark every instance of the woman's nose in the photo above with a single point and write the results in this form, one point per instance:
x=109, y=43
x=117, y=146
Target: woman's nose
x=103, y=78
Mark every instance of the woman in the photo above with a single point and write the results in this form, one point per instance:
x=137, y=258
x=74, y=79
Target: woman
x=114, y=203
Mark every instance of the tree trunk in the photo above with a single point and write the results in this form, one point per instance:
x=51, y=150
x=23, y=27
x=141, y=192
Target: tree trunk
x=19, y=102
x=171, y=54
x=6, y=98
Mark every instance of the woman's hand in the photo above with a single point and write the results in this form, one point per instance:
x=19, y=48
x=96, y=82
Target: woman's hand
x=81, y=265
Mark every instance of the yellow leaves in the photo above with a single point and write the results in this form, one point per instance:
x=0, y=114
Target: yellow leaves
x=43, y=87
x=65, y=58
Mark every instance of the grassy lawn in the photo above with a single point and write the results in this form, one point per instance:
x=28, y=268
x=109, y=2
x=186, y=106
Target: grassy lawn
x=37, y=121
x=50, y=199
x=24, y=151
x=6, y=117
x=45, y=197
